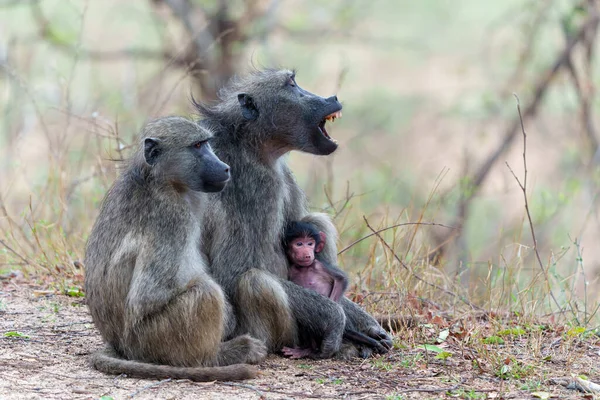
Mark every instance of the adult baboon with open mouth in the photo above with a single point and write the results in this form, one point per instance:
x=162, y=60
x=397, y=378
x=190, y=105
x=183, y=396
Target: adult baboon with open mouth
x=258, y=119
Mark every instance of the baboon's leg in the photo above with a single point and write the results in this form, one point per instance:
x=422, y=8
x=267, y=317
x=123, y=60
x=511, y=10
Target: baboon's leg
x=192, y=323
x=317, y=315
x=263, y=310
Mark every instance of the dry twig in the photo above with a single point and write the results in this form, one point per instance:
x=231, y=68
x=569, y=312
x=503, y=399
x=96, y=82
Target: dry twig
x=523, y=187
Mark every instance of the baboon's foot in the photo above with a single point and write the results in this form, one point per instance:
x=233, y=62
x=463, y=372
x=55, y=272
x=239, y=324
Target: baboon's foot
x=242, y=349
x=297, y=352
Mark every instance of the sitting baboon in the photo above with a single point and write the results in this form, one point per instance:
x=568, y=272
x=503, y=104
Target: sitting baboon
x=147, y=288
x=259, y=119
x=302, y=243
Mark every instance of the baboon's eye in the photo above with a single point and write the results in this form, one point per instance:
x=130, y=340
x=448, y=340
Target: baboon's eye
x=291, y=81
x=198, y=145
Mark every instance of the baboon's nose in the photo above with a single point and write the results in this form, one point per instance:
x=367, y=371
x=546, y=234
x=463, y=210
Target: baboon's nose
x=227, y=170
x=335, y=98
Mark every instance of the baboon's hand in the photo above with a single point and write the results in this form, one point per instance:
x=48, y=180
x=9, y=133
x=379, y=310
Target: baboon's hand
x=382, y=337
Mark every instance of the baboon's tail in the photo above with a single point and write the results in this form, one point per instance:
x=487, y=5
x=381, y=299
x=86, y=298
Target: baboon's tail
x=108, y=361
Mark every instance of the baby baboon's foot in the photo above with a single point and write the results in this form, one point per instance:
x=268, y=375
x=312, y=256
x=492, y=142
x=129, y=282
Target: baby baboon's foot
x=297, y=352
x=242, y=349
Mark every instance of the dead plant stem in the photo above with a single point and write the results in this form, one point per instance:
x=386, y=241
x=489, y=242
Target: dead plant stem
x=523, y=187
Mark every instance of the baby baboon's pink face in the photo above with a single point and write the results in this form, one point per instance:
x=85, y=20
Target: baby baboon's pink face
x=302, y=251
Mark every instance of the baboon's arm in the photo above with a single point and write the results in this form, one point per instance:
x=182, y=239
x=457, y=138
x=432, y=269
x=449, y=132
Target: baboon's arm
x=152, y=287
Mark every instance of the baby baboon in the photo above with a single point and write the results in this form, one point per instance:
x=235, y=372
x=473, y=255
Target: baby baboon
x=157, y=308
x=302, y=242
x=259, y=119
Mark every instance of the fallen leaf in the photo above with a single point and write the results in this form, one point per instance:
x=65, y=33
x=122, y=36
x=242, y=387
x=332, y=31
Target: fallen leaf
x=541, y=395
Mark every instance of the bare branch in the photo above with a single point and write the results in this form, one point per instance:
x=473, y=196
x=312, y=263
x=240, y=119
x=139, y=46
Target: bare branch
x=523, y=187
x=391, y=227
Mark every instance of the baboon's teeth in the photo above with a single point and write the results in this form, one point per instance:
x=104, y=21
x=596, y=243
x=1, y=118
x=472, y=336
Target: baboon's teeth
x=331, y=117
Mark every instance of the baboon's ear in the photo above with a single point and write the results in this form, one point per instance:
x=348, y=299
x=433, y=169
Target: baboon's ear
x=151, y=150
x=321, y=244
x=249, y=110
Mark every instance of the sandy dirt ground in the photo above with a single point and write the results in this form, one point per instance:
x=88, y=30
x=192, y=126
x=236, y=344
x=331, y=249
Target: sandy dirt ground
x=48, y=359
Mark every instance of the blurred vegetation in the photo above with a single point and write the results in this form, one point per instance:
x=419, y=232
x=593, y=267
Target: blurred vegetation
x=427, y=88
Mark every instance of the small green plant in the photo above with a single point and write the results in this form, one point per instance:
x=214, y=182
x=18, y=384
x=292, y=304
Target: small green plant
x=304, y=366
x=55, y=307
x=335, y=381
x=106, y=398
x=394, y=397
x=430, y=348
x=516, y=331
x=74, y=291
x=16, y=334
x=576, y=331
x=398, y=345
x=382, y=365
x=411, y=361
x=467, y=394
x=531, y=385
x=493, y=340
x=443, y=355
x=514, y=370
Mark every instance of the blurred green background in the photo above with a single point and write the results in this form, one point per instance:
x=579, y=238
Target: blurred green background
x=427, y=88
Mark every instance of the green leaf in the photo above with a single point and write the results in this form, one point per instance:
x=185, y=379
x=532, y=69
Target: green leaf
x=16, y=334
x=443, y=355
x=74, y=291
x=517, y=331
x=576, y=331
x=430, y=347
x=493, y=340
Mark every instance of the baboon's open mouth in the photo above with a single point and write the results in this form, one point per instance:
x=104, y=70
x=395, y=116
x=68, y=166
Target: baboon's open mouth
x=331, y=117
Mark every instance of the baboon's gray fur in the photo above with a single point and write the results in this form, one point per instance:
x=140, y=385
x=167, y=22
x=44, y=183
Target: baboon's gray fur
x=259, y=119
x=159, y=311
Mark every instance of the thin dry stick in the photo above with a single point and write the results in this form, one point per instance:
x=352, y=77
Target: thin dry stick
x=391, y=227
x=432, y=390
x=269, y=390
x=7, y=247
x=243, y=385
x=149, y=387
x=418, y=277
x=523, y=187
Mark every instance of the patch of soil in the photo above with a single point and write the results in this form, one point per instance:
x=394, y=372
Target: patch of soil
x=48, y=359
